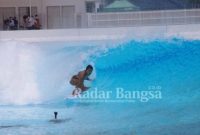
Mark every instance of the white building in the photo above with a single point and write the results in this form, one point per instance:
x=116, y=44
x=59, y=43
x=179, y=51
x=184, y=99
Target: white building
x=57, y=14
x=52, y=13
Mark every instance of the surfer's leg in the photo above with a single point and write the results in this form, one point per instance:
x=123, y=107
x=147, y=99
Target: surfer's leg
x=84, y=89
x=73, y=92
x=74, y=81
x=76, y=91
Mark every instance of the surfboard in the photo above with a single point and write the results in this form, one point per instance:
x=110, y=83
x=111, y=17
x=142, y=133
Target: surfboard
x=71, y=97
x=70, y=100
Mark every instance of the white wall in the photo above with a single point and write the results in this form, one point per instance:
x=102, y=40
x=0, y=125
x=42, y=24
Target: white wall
x=121, y=33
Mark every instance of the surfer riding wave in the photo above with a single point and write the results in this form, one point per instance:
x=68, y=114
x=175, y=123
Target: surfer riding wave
x=78, y=80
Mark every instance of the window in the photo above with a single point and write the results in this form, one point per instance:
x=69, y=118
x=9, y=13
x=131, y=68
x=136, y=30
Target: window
x=90, y=6
x=25, y=11
x=60, y=17
x=5, y=13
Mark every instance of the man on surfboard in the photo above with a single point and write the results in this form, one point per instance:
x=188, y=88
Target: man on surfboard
x=78, y=80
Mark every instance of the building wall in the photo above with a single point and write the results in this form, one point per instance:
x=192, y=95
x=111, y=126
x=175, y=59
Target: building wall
x=80, y=12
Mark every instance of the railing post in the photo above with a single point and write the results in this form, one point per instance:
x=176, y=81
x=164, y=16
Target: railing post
x=118, y=19
x=140, y=13
x=185, y=17
x=89, y=20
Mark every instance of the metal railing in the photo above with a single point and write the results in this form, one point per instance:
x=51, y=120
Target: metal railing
x=142, y=18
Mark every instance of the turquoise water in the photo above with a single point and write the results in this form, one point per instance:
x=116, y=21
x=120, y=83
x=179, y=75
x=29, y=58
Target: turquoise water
x=34, y=82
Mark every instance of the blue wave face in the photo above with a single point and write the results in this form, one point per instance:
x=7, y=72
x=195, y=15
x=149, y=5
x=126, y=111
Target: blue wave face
x=170, y=66
x=174, y=65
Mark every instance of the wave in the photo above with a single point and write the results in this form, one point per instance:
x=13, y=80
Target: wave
x=33, y=73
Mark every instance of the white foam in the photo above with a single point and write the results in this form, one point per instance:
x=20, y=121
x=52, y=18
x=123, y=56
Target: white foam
x=17, y=78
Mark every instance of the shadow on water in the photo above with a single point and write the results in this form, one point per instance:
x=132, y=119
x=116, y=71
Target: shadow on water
x=12, y=126
x=57, y=121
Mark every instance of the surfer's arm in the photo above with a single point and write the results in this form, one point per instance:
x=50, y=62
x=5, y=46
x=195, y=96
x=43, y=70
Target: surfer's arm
x=87, y=78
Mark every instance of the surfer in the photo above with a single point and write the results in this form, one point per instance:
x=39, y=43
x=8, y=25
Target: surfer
x=78, y=80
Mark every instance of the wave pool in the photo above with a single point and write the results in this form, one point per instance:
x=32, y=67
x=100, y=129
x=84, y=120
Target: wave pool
x=34, y=83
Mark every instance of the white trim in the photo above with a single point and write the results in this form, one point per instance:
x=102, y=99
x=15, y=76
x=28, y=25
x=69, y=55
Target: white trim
x=93, y=34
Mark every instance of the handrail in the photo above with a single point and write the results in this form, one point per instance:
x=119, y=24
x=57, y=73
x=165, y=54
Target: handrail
x=163, y=17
